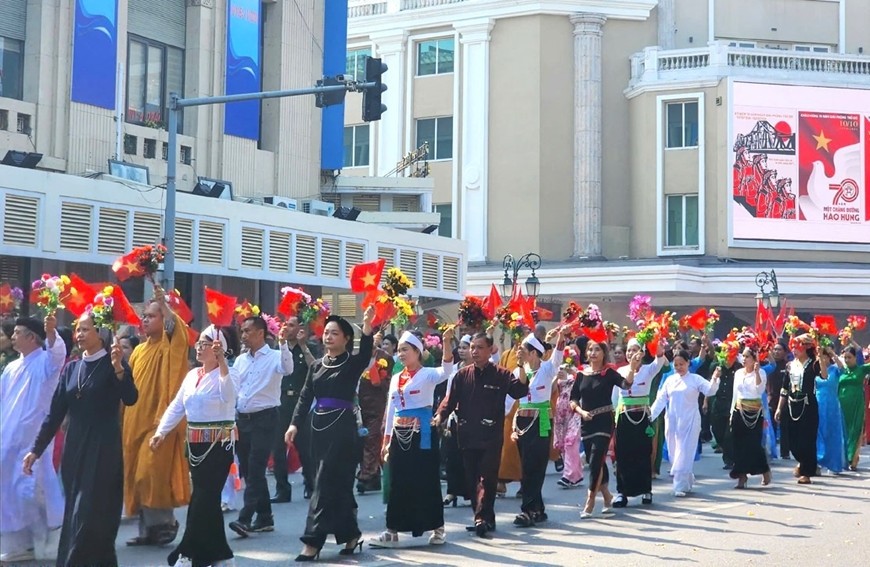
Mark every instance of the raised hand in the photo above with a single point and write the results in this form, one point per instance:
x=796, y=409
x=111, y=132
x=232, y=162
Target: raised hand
x=117, y=356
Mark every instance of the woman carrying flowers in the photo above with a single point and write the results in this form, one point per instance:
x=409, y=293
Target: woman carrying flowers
x=747, y=421
x=801, y=416
x=566, y=429
x=851, y=395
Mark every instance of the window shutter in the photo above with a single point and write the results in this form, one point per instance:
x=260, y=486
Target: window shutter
x=367, y=202
x=112, y=232
x=146, y=228
x=252, y=247
x=408, y=264
x=210, y=243
x=388, y=254
x=450, y=274
x=13, y=19
x=20, y=220
x=306, y=255
x=184, y=240
x=330, y=258
x=430, y=272
x=161, y=20
x=406, y=204
x=345, y=305
x=354, y=253
x=76, y=226
x=279, y=251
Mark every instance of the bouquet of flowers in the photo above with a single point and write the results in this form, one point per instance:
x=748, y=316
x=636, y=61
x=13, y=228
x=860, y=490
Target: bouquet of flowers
x=639, y=308
x=141, y=261
x=10, y=299
x=244, y=310
x=47, y=293
x=510, y=322
x=591, y=318
x=729, y=348
x=404, y=311
x=712, y=319
x=823, y=328
x=313, y=310
x=853, y=323
x=794, y=326
x=273, y=324
x=102, y=310
x=396, y=283
x=471, y=313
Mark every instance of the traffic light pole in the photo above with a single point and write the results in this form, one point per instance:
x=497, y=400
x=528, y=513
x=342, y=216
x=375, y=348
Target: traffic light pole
x=176, y=104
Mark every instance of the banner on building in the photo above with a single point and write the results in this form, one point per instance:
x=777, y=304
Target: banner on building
x=800, y=163
x=95, y=53
x=243, y=68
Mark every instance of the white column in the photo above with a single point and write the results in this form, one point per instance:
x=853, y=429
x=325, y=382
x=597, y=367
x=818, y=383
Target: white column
x=667, y=24
x=473, y=127
x=391, y=49
x=587, y=134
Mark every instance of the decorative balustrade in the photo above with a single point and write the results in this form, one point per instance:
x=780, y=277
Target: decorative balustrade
x=656, y=66
x=360, y=8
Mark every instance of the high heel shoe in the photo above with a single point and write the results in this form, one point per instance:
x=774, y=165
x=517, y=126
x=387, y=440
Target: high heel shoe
x=351, y=549
x=450, y=500
x=302, y=557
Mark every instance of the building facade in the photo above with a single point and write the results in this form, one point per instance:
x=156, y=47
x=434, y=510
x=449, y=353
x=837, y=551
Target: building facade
x=649, y=146
x=84, y=90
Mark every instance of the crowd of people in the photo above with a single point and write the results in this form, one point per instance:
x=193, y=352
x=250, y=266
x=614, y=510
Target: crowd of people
x=147, y=430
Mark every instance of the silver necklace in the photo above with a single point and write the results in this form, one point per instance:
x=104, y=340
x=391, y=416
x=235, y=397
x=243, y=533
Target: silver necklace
x=326, y=357
x=79, y=383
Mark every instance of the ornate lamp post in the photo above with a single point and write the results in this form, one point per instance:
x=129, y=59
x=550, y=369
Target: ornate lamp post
x=512, y=269
x=769, y=299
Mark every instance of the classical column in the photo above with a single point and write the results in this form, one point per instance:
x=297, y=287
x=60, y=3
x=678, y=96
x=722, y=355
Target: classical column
x=473, y=125
x=391, y=49
x=587, y=134
x=667, y=24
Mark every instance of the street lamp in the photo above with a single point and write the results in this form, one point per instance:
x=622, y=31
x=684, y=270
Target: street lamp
x=769, y=299
x=511, y=272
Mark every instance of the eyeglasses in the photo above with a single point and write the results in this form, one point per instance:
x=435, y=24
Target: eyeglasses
x=203, y=344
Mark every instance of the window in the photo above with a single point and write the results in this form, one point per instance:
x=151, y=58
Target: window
x=682, y=124
x=11, y=68
x=356, y=62
x=446, y=226
x=682, y=221
x=438, y=133
x=356, y=145
x=750, y=44
x=154, y=71
x=130, y=143
x=813, y=48
x=435, y=57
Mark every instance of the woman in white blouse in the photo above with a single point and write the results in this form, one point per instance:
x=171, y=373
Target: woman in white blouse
x=207, y=398
x=747, y=421
x=679, y=394
x=411, y=445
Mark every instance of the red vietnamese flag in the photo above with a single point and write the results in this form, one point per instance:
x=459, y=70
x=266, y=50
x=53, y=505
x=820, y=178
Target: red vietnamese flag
x=289, y=304
x=179, y=306
x=698, y=319
x=220, y=307
x=384, y=311
x=371, y=297
x=243, y=311
x=78, y=295
x=6, y=300
x=366, y=277
x=128, y=266
x=122, y=311
x=826, y=324
x=492, y=302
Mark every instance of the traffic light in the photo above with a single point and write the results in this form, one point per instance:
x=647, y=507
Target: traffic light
x=372, y=107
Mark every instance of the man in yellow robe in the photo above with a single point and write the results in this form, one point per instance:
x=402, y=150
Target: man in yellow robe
x=156, y=482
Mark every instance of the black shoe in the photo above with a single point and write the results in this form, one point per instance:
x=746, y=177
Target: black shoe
x=244, y=529
x=370, y=485
x=351, y=549
x=300, y=558
x=263, y=524
x=540, y=517
x=307, y=494
x=282, y=497
x=646, y=499
x=490, y=526
x=620, y=501
x=559, y=465
x=482, y=530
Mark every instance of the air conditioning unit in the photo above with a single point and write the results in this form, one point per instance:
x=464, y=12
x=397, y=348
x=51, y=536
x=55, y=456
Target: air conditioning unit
x=283, y=202
x=315, y=207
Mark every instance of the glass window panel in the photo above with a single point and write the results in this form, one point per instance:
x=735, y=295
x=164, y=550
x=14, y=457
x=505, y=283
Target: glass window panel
x=426, y=133
x=445, y=56
x=675, y=125
x=445, y=228
x=444, y=142
x=427, y=57
x=348, y=146
x=11, y=68
x=691, y=205
x=154, y=85
x=690, y=124
x=361, y=145
x=674, y=221
x=136, y=82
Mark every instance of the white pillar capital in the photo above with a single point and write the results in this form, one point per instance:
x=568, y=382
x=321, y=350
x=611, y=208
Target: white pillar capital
x=390, y=42
x=475, y=31
x=587, y=24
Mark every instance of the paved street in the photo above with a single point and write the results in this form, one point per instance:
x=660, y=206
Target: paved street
x=784, y=524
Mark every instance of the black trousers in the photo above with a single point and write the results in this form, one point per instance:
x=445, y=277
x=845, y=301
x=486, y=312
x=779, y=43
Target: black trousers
x=256, y=439
x=481, y=474
x=279, y=451
x=534, y=457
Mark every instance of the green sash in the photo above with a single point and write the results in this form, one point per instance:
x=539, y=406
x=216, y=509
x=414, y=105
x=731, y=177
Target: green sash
x=543, y=408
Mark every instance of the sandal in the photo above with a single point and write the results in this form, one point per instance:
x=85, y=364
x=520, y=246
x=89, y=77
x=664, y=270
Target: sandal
x=523, y=520
x=386, y=539
x=166, y=533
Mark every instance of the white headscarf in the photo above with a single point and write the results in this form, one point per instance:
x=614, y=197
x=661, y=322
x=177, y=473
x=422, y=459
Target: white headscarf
x=632, y=342
x=465, y=339
x=533, y=341
x=411, y=339
x=211, y=334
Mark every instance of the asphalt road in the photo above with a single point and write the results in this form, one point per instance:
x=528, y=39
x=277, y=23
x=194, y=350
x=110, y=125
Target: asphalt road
x=782, y=524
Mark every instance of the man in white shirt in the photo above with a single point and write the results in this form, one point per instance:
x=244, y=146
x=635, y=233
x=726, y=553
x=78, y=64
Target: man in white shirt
x=258, y=398
x=30, y=506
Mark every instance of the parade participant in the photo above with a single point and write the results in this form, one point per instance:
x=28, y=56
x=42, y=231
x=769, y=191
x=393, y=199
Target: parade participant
x=720, y=414
x=777, y=377
x=128, y=345
x=7, y=352
x=207, y=399
x=372, y=395
x=830, y=444
x=747, y=423
x=633, y=431
x=455, y=471
x=261, y=370
x=703, y=362
x=566, y=428
x=89, y=393
x=410, y=445
x=291, y=386
x=802, y=414
x=619, y=357
x=509, y=468
x=331, y=386
x=478, y=394
x=591, y=399
x=156, y=482
x=679, y=394
x=851, y=396
x=532, y=425
x=31, y=505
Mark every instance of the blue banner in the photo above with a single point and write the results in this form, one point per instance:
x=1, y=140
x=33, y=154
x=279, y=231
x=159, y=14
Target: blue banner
x=243, y=68
x=95, y=52
x=334, y=62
